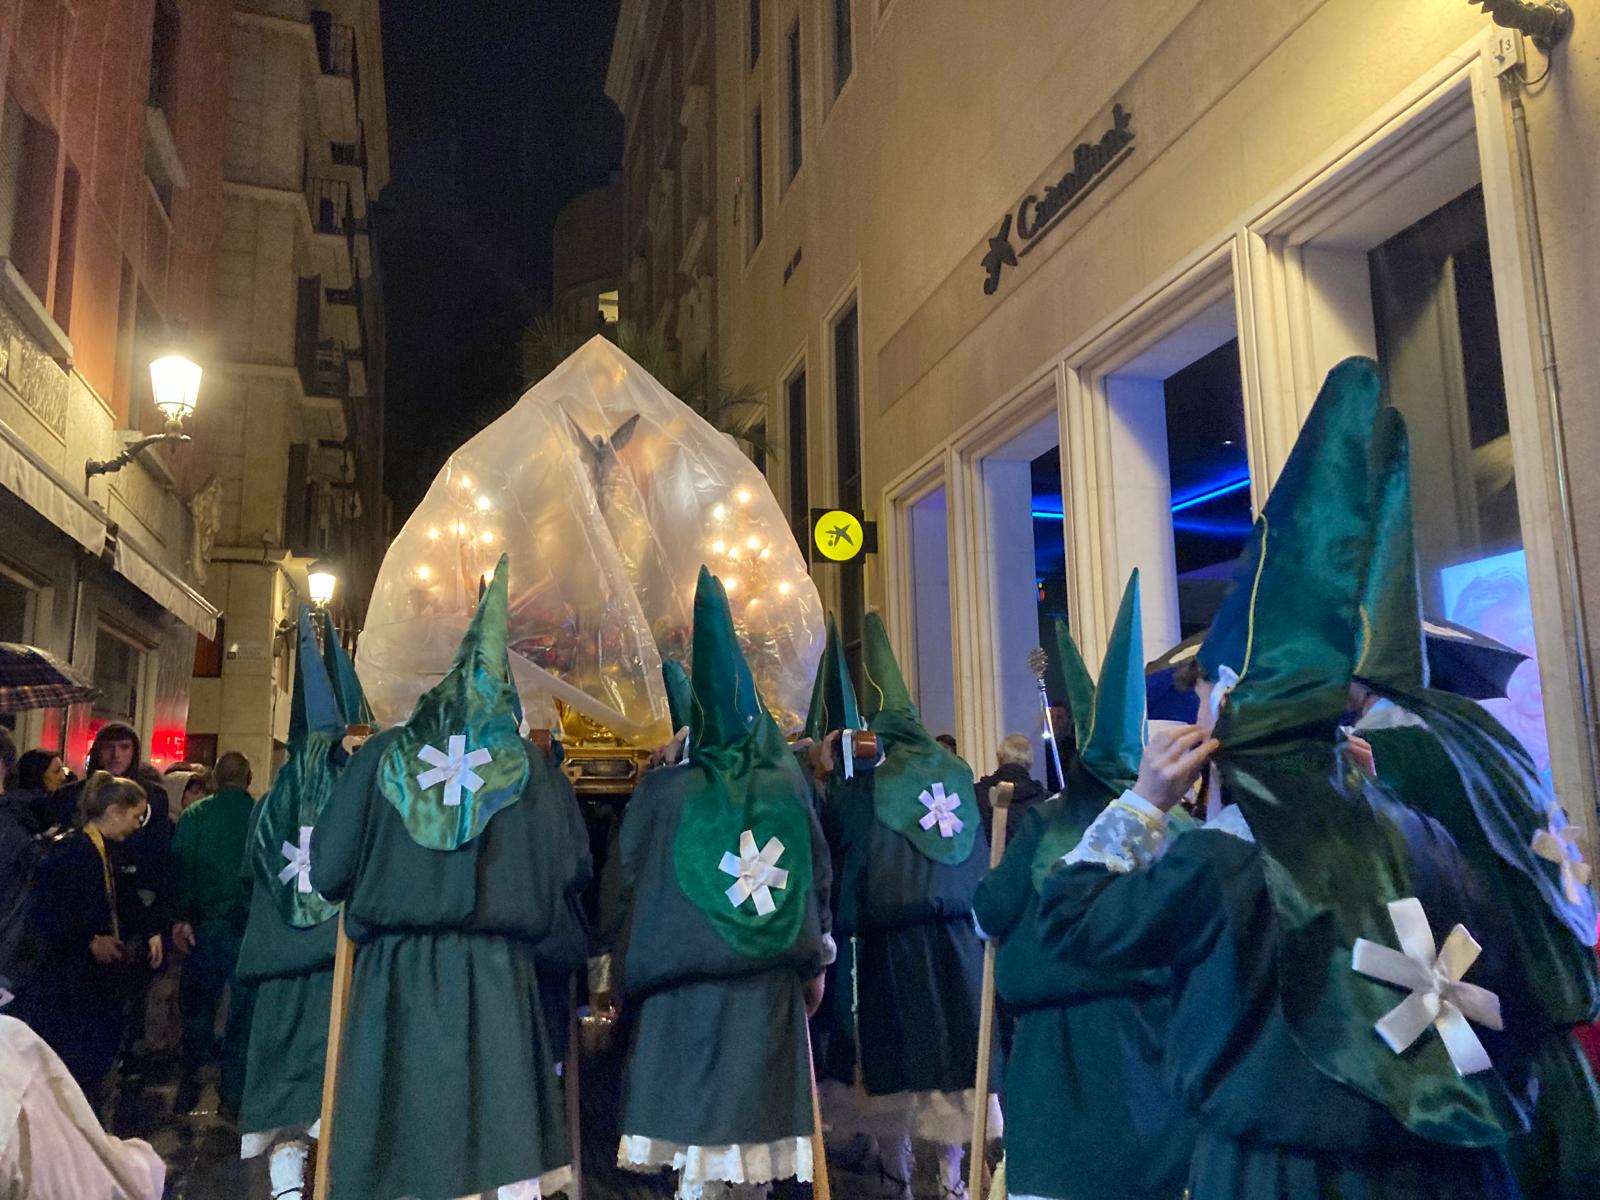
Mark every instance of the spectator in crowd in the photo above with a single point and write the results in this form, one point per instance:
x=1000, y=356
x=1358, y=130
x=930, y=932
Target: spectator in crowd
x=73, y=992
x=213, y=898
x=185, y=788
x=144, y=880
x=18, y=853
x=1015, y=767
x=948, y=741
x=37, y=781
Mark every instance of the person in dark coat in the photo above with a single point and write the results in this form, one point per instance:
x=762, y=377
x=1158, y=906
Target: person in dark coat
x=212, y=901
x=36, y=781
x=1016, y=766
x=142, y=862
x=19, y=850
x=73, y=991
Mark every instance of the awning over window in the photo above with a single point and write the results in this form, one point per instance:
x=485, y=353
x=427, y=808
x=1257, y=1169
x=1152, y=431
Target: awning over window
x=36, y=483
x=141, y=569
x=25, y=474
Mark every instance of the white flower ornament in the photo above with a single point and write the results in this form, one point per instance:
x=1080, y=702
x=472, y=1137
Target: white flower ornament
x=1438, y=996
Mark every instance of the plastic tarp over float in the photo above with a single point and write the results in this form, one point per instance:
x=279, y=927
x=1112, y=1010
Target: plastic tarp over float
x=607, y=493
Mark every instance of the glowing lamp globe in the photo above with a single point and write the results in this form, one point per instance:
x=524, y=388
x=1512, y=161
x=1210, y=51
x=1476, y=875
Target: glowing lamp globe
x=175, y=382
x=321, y=582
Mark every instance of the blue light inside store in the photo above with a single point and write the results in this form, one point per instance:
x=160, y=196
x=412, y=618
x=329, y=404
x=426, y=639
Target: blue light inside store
x=1205, y=497
x=1188, y=502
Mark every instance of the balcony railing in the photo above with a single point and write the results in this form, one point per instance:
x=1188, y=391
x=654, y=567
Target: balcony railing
x=336, y=49
x=330, y=205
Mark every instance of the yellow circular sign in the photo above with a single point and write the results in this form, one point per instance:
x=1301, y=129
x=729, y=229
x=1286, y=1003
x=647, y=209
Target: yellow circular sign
x=838, y=535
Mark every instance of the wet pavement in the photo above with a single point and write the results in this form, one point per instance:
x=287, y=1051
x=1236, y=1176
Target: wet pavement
x=200, y=1147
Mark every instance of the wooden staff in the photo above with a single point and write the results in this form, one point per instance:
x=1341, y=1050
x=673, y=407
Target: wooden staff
x=344, y=963
x=1000, y=795
x=569, y=1088
x=821, y=1189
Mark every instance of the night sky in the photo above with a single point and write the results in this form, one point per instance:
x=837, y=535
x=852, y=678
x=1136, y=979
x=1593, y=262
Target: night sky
x=497, y=117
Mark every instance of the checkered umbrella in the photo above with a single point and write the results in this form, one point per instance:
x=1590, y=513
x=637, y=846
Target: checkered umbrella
x=35, y=678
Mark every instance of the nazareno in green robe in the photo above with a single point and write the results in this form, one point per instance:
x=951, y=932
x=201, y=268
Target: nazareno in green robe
x=446, y=1082
x=1560, y=1156
x=292, y=970
x=1271, y=1124
x=1088, y=1113
x=917, y=965
x=718, y=1079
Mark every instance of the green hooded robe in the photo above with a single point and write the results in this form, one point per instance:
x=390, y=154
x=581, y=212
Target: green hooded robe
x=289, y=938
x=911, y=849
x=723, y=886
x=1451, y=760
x=1087, y=1112
x=1274, y=1048
x=452, y=866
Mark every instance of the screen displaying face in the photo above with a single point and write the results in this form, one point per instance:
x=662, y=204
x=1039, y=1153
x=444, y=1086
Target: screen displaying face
x=1491, y=595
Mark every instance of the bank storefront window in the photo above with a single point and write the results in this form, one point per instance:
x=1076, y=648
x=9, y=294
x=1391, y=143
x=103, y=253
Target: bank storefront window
x=1438, y=343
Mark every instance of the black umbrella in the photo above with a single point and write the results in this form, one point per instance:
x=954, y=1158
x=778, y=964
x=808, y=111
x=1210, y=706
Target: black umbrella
x=1460, y=660
x=35, y=678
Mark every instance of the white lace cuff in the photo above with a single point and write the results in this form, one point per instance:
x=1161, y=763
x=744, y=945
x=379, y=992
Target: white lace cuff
x=1127, y=835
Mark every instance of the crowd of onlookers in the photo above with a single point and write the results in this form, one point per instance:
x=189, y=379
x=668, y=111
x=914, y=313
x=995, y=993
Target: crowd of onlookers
x=122, y=903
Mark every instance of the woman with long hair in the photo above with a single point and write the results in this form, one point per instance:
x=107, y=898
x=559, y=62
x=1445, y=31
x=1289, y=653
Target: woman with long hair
x=37, y=781
x=73, y=993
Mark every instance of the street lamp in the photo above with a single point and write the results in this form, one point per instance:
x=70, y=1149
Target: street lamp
x=175, y=381
x=175, y=385
x=321, y=581
x=1547, y=22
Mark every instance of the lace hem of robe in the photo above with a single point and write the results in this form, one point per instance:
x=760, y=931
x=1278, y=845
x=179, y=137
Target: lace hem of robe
x=757, y=1162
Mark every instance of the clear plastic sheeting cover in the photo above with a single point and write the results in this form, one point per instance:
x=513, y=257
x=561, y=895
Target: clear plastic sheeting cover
x=607, y=492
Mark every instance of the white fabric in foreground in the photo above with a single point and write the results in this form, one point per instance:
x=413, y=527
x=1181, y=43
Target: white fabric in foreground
x=51, y=1145
x=759, y=1162
x=1231, y=822
x=1128, y=834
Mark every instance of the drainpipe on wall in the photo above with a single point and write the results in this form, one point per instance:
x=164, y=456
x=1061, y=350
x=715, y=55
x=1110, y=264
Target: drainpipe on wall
x=1552, y=396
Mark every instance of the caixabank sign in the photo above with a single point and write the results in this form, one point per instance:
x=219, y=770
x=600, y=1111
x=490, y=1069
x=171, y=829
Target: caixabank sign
x=1044, y=209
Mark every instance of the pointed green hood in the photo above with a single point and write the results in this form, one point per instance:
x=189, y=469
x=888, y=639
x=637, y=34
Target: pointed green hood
x=745, y=793
x=1390, y=648
x=1332, y=866
x=1286, y=626
x=313, y=702
x=920, y=790
x=679, y=703
x=352, y=700
x=1068, y=662
x=280, y=837
x=1111, y=748
x=833, y=696
x=1510, y=805
x=1110, y=732
x=459, y=759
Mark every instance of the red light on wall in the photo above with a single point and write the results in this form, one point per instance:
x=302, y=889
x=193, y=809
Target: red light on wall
x=169, y=746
